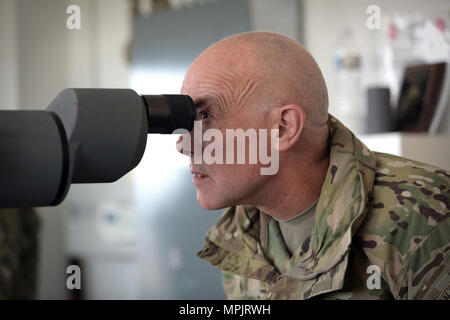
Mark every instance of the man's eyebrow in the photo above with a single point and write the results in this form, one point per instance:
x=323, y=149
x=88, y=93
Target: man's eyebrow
x=204, y=101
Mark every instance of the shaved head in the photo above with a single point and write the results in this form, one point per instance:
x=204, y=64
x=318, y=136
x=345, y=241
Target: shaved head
x=273, y=68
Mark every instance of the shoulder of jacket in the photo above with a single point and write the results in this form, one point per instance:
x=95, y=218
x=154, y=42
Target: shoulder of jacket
x=410, y=201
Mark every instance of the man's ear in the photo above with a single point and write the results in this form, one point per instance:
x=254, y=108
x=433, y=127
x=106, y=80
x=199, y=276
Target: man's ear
x=290, y=120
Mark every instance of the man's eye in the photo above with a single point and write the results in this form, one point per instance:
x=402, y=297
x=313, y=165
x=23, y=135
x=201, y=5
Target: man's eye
x=204, y=114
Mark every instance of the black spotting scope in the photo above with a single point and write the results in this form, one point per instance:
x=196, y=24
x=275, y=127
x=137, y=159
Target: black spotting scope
x=84, y=136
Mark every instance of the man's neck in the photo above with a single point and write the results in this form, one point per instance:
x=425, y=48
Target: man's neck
x=296, y=187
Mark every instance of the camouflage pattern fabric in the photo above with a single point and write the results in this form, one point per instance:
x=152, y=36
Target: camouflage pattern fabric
x=375, y=209
x=18, y=253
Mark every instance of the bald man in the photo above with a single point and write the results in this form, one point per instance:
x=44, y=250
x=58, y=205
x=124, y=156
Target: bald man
x=336, y=220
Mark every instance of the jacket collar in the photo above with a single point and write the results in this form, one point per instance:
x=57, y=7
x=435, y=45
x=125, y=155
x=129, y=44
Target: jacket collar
x=342, y=204
x=234, y=244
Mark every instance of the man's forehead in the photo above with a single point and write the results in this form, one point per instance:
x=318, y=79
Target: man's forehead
x=215, y=83
x=199, y=92
x=204, y=100
x=212, y=83
x=205, y=91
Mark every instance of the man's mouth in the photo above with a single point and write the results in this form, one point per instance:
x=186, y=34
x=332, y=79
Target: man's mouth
x=198, y=177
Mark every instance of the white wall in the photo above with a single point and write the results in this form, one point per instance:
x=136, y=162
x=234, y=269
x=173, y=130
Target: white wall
x=8, y=55
x=97, y=54
x=42, y=51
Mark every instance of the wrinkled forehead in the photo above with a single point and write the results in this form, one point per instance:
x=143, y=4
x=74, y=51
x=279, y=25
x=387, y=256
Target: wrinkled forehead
x=224, y=76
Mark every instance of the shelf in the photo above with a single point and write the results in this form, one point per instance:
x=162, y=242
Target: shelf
x=434, y=150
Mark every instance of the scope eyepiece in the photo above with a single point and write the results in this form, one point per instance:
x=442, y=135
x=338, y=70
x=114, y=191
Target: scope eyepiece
x=169, y=112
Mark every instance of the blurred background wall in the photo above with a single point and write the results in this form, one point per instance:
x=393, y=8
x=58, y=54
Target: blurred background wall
x=137, y=238
x=332, y=26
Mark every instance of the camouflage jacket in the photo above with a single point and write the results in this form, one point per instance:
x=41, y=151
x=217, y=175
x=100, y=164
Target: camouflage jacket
x=382, y=232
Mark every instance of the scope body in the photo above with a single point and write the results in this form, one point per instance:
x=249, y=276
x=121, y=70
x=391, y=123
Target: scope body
x=84, y=136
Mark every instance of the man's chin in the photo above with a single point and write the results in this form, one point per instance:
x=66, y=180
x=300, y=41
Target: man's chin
x=208, y=203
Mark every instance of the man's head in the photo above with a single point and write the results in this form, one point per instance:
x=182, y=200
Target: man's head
x=256, y=80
